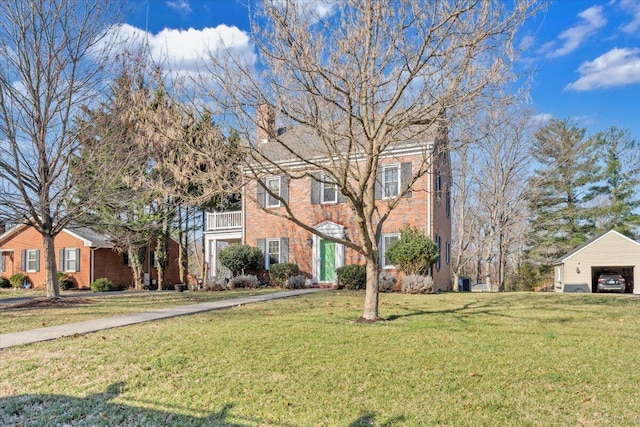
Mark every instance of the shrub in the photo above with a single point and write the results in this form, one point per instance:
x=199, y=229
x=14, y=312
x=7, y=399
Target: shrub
x=245, y=281
x=101, y=285
x=279, y=273
x=216, y=284
x=352, y=276
x=65, y=281
x=386, y=281
x=240, y=258
x=4, y=282
x=298, y=281
x=18, y=279
x=413, y=253
x=416, y=284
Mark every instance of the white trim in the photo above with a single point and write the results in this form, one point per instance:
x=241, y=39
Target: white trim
x=65, y=262
x=27, y=261
x=323, y=183
x=268, y=195
x=398, y=168
x=383, y=250
x=411, y=148
x=333, y=230
x=267, y=255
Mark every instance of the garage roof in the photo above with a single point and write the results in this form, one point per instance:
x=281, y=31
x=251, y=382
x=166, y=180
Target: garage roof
x=589, y=243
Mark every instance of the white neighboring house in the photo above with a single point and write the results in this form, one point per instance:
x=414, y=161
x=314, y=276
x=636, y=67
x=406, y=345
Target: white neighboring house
x=611, y=252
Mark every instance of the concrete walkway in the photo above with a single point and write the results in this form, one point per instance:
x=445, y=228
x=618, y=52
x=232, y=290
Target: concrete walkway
x=53, y=332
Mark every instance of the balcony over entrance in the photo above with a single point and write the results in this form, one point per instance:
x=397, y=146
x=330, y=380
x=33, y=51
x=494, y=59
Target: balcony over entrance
x=224, y=221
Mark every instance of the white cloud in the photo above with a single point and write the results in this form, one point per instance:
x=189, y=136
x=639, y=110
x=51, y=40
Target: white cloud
x=633, y=8
x=188, y=51
x=541, y=119
x=618, y=67
x=591, y=20
x=312, y=10
x=180, y=6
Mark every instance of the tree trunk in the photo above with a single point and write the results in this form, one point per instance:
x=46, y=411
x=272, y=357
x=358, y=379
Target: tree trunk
x=50, y=269
x=371, y=296
x=135, y=260
x=162, y=253
x=183, y=238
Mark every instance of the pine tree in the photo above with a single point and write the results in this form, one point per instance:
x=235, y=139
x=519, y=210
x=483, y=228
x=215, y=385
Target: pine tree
x=566, y=166
x=616, y=195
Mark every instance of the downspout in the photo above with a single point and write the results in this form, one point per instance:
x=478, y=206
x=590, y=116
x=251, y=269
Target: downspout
x=91, y=269
x=242, y=210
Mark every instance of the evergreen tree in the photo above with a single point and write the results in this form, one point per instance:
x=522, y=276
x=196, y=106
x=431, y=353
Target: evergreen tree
x=558, y=188
x=617, y=192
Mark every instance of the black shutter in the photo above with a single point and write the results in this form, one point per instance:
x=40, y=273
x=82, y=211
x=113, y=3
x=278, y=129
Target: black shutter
x=341, y=198
x=284, y=249
x=23, y=260
x=315, y=188
x=77, y=259
x=262, y=245
x=378, y=189
x=261, y=194
x=61, y=259
x=125, y=258
x=405, y=177
x=37, y=260
x=284, y=188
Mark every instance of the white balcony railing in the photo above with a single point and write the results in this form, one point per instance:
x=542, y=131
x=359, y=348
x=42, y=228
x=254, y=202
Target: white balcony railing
x=224, y=220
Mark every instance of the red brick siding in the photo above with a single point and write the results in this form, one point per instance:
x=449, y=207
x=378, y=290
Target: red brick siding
x=410, y=211
x=107, y=263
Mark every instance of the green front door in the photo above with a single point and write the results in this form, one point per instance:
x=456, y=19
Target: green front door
x=327, y=261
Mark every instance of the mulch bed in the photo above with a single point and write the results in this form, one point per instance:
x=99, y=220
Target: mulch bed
x=50, y=303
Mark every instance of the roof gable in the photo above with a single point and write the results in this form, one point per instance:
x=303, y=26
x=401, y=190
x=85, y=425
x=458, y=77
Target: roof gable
x=593, y=241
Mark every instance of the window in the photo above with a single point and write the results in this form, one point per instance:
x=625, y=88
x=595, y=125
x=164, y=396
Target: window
x=447, y=202
x=71, y=259
x=448, y=253
x=328, y=191
x=32, y=260
x=387, y=240
x=273, y=185
x=438, y=245
x=391, y=181
x=273, y=252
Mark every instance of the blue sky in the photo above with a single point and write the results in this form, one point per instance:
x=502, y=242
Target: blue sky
x=585, y=55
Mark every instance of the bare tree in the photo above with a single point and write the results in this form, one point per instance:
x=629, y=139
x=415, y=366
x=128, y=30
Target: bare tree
x=52, y=60
x=464, y=215
x=502, y=169
x=360, y=81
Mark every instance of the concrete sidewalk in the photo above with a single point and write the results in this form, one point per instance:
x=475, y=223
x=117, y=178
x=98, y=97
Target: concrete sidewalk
x=53, y=332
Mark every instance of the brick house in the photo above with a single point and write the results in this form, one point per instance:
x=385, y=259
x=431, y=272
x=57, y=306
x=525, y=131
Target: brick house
x=82, y=253
x=426, y=206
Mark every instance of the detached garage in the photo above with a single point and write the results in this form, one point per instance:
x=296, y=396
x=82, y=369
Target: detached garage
x=606, y=257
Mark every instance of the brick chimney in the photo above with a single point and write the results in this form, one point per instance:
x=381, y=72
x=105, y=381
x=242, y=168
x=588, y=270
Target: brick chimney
x=266, y=121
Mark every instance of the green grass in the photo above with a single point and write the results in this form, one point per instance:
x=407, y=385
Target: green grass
x=95, y=305
x=446, y=360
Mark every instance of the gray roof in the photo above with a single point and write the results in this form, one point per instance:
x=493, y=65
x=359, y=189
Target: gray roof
x=291, y=144
x=92, y=238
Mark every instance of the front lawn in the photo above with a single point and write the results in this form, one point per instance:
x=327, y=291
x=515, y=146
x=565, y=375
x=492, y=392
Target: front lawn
x=73, y=307
x=448, y=360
